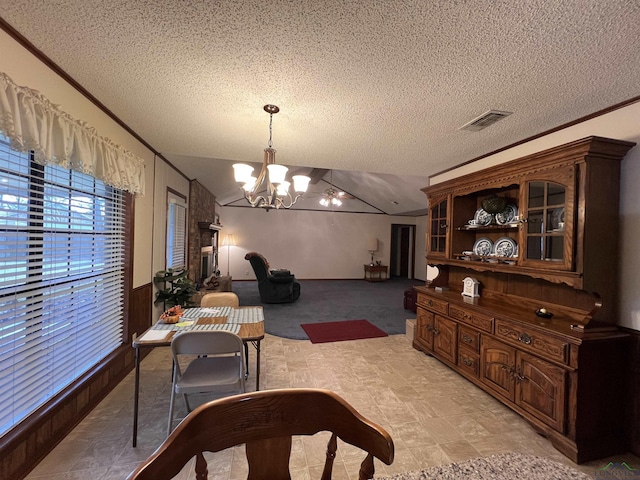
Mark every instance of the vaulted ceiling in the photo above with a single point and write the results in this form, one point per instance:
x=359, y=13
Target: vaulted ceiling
x=375, y=92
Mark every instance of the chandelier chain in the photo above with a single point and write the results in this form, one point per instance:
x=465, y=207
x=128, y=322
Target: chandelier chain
x=270, y=129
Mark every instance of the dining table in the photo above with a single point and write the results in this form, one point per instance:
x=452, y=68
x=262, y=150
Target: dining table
x=247, y=322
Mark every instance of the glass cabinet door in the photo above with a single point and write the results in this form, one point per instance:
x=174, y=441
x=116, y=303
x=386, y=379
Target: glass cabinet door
x=438, y=226
x=547, y=224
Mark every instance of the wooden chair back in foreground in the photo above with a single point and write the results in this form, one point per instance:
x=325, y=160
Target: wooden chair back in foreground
x=266, y=421
x=220, y=299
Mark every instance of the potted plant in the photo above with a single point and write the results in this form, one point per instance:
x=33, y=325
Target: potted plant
x=174, y=288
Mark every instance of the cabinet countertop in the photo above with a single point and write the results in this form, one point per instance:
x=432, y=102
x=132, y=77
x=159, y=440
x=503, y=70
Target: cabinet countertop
x=499, y=308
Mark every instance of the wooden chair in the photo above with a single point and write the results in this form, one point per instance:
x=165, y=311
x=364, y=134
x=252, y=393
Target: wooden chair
x=266, y=421
x=225, y=299
x=220, y=299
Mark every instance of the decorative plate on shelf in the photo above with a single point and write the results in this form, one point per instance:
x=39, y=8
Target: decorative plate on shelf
x=507, y=216
x=482, y=217
x=505, y=247
x=483, y=246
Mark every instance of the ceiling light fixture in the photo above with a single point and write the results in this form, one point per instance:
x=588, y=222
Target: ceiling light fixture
x=331, y=196
x=270, y=189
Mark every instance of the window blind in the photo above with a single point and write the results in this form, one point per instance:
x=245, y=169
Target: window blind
x=62, y=245
x=176, y=235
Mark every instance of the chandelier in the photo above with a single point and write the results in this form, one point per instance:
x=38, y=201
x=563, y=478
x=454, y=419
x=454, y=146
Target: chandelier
x=269, y=189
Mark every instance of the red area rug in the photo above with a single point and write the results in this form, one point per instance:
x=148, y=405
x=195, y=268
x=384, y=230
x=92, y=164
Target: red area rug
x=340, y=331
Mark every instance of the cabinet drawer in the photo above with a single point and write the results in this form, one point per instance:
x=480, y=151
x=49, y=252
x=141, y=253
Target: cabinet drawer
x=469, y=338
x=433, y=304
x=544, y=345
x=469, y=362
x=483, y=322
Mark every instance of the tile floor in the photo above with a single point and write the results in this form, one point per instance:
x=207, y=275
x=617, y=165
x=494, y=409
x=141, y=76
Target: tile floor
x=433, y=415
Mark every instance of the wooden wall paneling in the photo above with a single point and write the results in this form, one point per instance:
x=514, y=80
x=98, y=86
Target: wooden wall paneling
x=140, y=309
x=23, y=447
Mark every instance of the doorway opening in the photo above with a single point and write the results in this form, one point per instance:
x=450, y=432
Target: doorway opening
x=403, y=251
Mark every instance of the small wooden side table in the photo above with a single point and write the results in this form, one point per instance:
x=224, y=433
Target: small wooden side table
x=373, y=273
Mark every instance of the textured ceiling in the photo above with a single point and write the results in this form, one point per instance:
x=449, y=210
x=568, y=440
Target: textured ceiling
x=365, y=86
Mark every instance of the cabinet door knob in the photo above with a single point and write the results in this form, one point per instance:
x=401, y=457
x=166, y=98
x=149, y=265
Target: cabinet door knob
x=519, y=376
x=436, y=331
x=524, y=338
x=467, y=362
x=430, y=303
x=467, y=339
x=511, y=370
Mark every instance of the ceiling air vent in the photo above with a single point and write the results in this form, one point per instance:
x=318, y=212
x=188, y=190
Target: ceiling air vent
x=484, y=120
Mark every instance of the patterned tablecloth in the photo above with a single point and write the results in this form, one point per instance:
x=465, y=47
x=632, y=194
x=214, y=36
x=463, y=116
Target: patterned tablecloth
x=234, y=317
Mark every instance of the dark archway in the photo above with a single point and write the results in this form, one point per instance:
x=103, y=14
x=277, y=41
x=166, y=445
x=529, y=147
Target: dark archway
x=403, y=250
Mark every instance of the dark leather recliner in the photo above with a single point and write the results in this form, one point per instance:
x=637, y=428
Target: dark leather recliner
x=278, y=286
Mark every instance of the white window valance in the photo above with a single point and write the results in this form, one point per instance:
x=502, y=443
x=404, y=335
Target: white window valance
x=32, y=122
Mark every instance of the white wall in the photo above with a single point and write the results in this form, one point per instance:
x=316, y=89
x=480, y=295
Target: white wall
x=621, y=124
x=313, y=245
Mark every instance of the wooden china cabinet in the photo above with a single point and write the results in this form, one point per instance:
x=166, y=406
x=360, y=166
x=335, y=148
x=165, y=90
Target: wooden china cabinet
x=542, y=335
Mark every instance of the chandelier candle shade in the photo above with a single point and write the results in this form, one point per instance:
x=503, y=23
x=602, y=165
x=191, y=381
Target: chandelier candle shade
x=269, y=189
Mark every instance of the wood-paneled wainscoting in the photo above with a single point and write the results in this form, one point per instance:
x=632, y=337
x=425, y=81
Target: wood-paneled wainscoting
x=23, y=447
